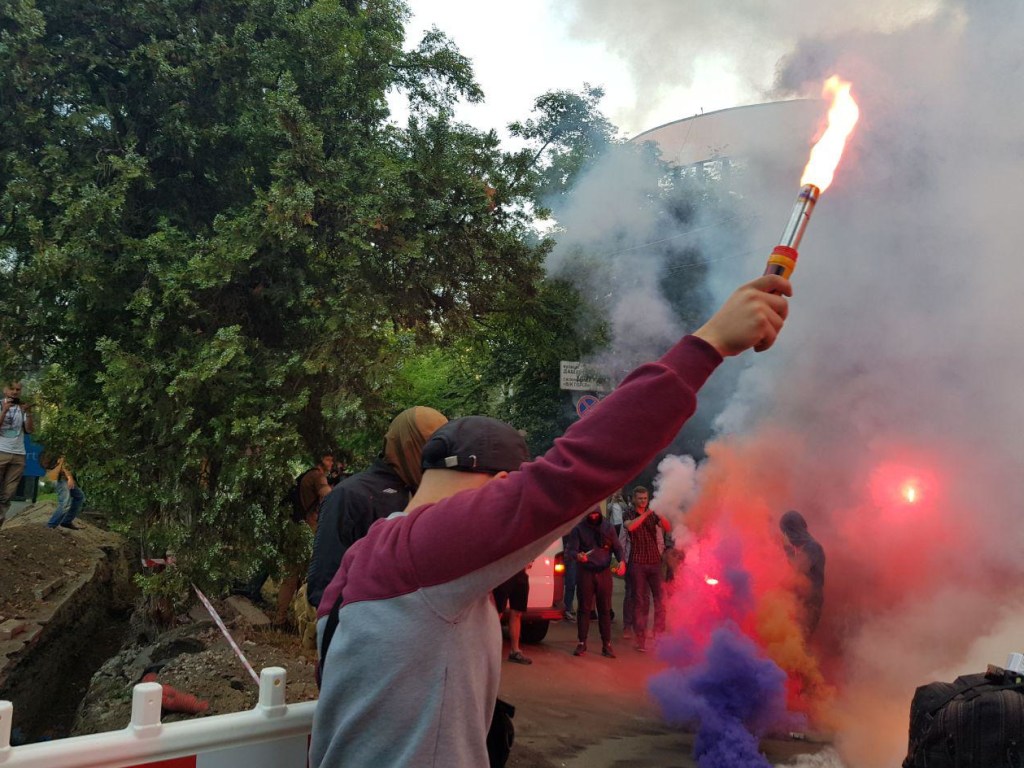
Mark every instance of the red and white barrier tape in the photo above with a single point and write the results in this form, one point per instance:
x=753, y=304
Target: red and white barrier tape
x=227, y=635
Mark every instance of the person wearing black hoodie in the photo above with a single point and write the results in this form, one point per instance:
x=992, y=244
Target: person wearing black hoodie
x=359, y=501
x=808, y=558
x=591, y=544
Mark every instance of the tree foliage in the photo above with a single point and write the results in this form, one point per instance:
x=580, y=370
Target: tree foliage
x=214, y=241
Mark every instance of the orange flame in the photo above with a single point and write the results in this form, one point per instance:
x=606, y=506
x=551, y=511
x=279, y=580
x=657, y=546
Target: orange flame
x=842, y=116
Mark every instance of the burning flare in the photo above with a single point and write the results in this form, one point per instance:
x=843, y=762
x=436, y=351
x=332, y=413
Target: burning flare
x=842, y=117
x=909, y=493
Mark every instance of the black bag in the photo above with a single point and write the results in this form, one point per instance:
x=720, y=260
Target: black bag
x=294, y=501
x=977, y=721
x=501, y=734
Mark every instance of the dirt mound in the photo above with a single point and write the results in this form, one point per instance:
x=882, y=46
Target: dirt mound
x=33, y=556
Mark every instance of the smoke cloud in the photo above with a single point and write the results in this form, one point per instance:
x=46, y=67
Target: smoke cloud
x=888, y=412
x=669, y=44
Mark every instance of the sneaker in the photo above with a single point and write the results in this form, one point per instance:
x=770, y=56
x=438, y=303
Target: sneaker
x=607, y=651
x=517, y=657
x=640, y=645
x=71, y=526
x=627, y=633
x=569, y=616
x=581, y=648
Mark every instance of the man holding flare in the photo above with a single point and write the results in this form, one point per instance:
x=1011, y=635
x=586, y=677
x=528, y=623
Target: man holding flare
x=410, y=676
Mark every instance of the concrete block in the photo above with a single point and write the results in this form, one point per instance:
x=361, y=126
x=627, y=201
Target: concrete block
x=45, y=590
x=198, y=614
x=248, y=612
x=11, y=628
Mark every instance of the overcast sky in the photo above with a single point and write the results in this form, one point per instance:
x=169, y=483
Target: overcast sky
x=520, y=51
x=658, y=60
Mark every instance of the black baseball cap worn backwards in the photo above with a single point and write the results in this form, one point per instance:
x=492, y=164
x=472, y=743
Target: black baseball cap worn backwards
x=475, y=444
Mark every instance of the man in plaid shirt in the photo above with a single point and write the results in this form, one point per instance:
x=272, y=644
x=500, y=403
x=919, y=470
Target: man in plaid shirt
x=645, y=566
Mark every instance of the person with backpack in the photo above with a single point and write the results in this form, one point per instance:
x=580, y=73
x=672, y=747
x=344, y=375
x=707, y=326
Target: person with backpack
x=311, y=488
x=411, y=671
x=306, y=496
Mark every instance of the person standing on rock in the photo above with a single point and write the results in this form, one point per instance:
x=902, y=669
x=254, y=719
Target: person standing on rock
x=15, y=423
x=70, y=497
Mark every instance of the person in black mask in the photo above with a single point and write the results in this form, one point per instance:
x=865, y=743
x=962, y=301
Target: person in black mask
x=591, y=544
x=808, y=558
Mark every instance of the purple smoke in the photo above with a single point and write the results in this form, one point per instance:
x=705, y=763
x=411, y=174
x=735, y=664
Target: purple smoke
x=732, y=696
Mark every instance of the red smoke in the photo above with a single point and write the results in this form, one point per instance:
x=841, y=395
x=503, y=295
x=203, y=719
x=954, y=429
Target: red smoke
x=904, y=599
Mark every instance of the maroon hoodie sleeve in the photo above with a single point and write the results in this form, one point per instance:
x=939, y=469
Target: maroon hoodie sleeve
x=596, y=456
x=465, y=545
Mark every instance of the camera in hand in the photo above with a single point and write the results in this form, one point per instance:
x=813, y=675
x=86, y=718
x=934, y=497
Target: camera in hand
x=14, y=400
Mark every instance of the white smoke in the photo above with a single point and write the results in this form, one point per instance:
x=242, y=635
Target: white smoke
x=827, y=758
x=671, y=45
x=675, y=487
x=900, y=355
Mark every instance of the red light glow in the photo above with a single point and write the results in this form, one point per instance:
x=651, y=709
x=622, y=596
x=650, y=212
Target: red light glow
x=710, y=580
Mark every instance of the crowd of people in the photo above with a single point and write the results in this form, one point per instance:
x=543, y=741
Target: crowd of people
x=413, y=557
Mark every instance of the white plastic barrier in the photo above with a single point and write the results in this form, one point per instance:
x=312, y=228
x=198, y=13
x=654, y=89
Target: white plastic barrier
x=273, y=735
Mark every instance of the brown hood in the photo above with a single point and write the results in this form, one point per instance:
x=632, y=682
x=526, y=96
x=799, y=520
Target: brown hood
x=405, y=438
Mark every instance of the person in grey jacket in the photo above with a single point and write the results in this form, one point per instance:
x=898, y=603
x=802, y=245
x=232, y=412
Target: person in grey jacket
x=591, y=545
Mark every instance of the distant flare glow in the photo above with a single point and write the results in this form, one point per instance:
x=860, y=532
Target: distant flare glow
x=710, y=580
x=842, y=117
x=909, y=493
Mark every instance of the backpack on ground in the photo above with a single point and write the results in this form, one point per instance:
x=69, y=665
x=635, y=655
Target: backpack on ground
x=293, y=499
x=977, y=721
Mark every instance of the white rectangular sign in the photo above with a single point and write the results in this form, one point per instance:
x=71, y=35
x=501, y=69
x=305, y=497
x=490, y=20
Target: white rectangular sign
x=577, y=377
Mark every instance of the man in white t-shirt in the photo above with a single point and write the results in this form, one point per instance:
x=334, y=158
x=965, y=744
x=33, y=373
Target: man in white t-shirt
x=15, y=423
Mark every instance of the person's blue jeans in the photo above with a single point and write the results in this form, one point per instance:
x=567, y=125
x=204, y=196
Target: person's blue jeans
x=69, y=504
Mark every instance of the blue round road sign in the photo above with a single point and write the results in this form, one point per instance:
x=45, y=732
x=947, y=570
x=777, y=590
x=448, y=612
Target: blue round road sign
x=585, y=403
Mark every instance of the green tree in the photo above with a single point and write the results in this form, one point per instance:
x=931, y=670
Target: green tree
x=215, y=241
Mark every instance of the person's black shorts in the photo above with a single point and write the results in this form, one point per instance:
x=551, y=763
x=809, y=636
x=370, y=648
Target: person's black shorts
x=514, y=593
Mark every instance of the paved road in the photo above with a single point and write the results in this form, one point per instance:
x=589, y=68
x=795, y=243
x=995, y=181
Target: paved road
x=593, y=712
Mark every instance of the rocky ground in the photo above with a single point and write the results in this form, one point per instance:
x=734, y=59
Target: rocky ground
x=44, y=571
x=195, y=659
